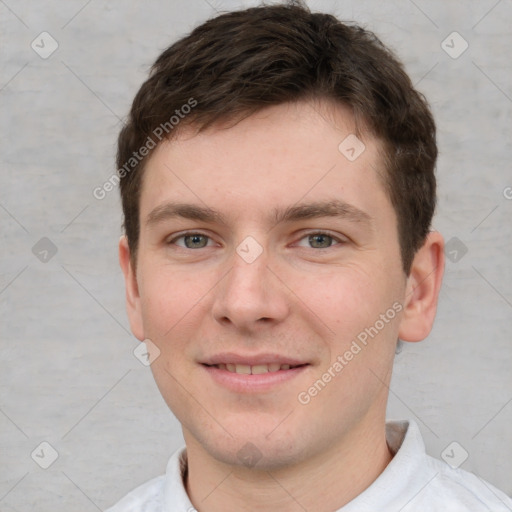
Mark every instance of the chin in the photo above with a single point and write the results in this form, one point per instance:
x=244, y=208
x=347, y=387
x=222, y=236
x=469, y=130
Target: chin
x=257, y=455
x=263, y=448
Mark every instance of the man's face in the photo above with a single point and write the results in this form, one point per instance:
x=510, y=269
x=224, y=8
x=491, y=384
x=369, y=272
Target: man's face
x=245, y=259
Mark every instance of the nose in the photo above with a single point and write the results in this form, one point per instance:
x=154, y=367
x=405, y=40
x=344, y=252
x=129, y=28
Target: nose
x=250, y=298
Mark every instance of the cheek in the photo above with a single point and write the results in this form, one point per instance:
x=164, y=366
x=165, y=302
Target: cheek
x=344, y=299
x=168, y=297
x=352, y=303
x=171, y=303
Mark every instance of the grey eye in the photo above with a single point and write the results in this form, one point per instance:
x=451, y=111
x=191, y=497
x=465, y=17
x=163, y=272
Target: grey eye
x=195, y=241
x=320, y=241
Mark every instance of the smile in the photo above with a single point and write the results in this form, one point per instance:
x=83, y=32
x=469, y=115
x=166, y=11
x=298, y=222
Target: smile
x=255, y=378
x=254, y=369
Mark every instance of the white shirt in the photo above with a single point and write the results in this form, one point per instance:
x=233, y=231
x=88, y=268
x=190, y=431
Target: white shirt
x=412, y=482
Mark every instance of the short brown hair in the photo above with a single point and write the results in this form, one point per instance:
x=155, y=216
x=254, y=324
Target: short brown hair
x=240, y=62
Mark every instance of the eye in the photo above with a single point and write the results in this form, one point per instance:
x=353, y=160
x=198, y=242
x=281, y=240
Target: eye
x=191, y=241
x=319, y=241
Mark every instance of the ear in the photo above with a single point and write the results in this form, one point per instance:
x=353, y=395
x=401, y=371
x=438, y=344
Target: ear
x=133, y=306
x=422, y=291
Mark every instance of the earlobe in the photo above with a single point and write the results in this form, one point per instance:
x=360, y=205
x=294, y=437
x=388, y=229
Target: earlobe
x=423, y=286
x=133, y=305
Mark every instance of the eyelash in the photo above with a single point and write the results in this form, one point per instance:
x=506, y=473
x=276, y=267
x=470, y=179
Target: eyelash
x=337, y=239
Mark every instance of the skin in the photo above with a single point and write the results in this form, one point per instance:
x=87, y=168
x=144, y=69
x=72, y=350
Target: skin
x=295, y=299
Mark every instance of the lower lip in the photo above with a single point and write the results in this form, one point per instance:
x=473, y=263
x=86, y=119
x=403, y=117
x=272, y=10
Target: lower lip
x=249, y=383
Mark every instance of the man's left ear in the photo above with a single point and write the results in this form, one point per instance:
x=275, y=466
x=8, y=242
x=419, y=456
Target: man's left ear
x=422, y=292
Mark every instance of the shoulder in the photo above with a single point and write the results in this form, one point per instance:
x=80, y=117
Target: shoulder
x=147, y=497
x=456, y=490
x=165, y=492
x=414, y=481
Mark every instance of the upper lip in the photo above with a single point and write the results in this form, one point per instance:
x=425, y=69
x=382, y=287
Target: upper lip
x=251, y=360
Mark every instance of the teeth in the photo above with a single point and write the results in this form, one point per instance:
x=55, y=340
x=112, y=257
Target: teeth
x=259, y=368
x=254, y=370
x=243, y=368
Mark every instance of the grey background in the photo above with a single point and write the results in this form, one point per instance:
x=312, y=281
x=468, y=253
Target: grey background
x=67, y=372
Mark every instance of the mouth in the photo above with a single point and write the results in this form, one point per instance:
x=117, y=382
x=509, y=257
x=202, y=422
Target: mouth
x=256, y=369
x=257, y=374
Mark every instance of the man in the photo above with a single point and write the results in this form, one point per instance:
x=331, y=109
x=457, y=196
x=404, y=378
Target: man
x=277, y=180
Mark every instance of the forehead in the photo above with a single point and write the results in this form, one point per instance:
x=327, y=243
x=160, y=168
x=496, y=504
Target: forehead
x=279, y=156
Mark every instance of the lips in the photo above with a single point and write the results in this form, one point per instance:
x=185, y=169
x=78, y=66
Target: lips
x=256, y=369
x=248, y=374
x=255, y=364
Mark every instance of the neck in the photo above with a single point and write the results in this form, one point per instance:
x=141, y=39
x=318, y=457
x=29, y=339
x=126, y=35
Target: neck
x=323, y=483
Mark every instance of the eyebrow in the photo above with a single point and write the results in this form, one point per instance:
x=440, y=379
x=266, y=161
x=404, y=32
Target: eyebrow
x=333, y=208
x=172, y=210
